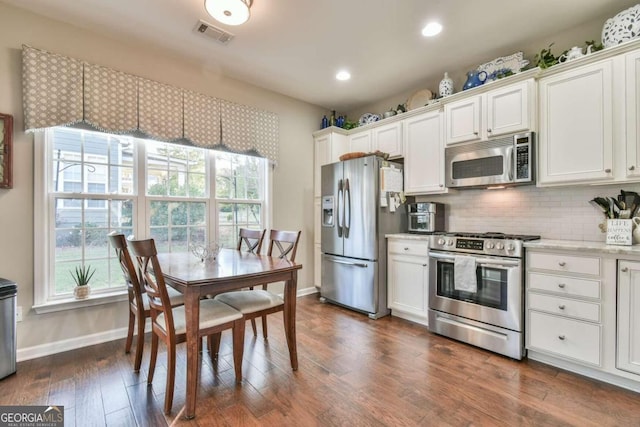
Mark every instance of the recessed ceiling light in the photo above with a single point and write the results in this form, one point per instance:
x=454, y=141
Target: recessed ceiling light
x=343, y=75
x=432, y=29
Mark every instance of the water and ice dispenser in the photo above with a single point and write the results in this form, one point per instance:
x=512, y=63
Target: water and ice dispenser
x=328, y=211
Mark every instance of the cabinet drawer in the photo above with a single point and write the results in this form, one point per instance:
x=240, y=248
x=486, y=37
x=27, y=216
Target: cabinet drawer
x=568, y=338
x=564, y=285
x=565, y=307
x=408, y=247
x=566, y=263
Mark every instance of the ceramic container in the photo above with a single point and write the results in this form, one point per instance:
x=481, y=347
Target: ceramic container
x=621, y=28
x=446, y=86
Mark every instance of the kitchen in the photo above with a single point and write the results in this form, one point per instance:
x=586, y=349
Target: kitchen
x=559, y=213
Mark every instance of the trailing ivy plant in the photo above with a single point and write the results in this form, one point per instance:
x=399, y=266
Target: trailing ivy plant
x=546, y=58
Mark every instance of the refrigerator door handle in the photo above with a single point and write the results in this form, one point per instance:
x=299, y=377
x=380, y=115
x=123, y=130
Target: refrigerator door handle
x=346, y=223
x=355, y=264
x=340, y=204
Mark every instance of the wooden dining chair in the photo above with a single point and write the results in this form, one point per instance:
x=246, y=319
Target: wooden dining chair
x=260, y=302
x=252, y=240
x=170, y=324
x=138, y=303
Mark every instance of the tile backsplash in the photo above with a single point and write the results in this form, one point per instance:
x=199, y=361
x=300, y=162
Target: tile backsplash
x=553, y=213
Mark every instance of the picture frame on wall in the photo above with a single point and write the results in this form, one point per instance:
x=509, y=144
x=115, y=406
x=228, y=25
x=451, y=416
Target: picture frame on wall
x=6, y=150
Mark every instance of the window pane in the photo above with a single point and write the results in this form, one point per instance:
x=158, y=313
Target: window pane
x=225, y=214
x=177, y=183
x=121, y=214
x=157, y=182
x=178, y=214
x=197, y=161
x=170, y=168
x=197, y=185
x=161, y=237
x=68, y=244
x=121, y=180
x=197, y=212
x=228, y=236
x=68, y=212
x=96, y=243
x=159, y=213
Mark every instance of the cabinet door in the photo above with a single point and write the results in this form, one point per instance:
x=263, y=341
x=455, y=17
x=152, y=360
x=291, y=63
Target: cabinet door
x=508, y=109
x=628, y=351
x=463, y=120
x=407, y=284
x=360, y=141
x=388, y=139
x=317, y=266
x=576, y=125
x=424, y=154
x=322, y=155
x=633, y=114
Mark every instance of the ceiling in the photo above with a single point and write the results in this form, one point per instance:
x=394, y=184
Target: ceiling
x=295, y=47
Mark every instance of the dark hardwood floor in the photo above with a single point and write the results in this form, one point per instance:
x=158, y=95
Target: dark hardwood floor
x=353, y=372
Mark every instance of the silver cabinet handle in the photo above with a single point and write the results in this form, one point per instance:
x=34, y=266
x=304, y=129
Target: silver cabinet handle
x=561, y=285
x=631, y=168
x=624, y=269
x=562, y=263
x=607, y=170
x=561, y=306
x=424, y=265
x=561, y=337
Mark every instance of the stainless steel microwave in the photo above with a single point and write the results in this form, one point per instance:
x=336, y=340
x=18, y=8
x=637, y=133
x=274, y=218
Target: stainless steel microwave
x=499, y=162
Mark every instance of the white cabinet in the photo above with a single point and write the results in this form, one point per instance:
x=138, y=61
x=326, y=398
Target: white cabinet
x=388, y=139
x=502, y=111
x=408, y=279
x=360, y=141
x=424, y=154
x=628, y=331
x=576, y=134
x=329, y=146
x=632, y=118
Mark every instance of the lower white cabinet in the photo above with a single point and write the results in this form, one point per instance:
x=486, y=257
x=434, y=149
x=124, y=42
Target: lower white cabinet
x=408, y=279
x=628, y=354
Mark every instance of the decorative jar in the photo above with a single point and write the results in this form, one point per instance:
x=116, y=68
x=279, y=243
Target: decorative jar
x=446, y=86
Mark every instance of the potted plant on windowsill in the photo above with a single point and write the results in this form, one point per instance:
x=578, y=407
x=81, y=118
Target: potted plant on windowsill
x=82, y=275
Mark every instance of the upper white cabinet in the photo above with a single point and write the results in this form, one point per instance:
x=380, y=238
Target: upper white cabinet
x=360, y=141
x=501, y=111
x=632, y=79
x=388, y=139
x=424, y=154
x=577, y=125
x=329, y=146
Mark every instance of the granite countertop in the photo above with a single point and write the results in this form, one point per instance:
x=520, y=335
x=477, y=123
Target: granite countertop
x=583, y=245
x=408, y=236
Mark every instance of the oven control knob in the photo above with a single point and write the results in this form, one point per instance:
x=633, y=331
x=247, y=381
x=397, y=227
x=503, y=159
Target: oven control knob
x=441, y=241
x=449, y=242
x=511, y=247
x=490, y=245
x=499, y=246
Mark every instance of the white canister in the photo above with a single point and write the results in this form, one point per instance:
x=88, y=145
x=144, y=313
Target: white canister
x=446, y=86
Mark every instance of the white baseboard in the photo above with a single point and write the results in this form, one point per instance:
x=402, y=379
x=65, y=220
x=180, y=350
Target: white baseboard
x=48, y=349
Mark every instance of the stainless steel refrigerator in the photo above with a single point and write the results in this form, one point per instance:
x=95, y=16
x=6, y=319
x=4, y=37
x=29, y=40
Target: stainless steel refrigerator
x=360, y=204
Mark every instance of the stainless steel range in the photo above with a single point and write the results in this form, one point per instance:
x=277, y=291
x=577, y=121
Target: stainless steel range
x=476, y=289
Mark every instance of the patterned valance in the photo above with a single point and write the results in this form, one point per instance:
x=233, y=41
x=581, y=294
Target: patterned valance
x=62, y=91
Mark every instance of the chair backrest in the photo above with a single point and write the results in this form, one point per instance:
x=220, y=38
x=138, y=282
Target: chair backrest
x=134, y=288
x=286, y=242
x=150, y=274
x=252, y=239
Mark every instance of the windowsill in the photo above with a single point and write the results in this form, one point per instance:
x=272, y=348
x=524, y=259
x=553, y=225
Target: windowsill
x=72, y=303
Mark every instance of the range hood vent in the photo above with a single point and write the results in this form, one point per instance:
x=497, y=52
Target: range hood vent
x=218, y=34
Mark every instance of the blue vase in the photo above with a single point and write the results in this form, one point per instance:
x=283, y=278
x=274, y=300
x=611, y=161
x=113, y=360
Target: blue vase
x=474, y=78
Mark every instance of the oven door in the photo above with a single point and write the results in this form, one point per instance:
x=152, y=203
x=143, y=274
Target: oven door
x=498, y=300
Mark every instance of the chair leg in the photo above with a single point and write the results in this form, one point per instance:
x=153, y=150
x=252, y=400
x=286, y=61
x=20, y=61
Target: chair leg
x=171, y=377
x=238, y=348
x=139, y=344
x=214, y=345
x=253, y=326
x=154, y=356
x=264, y=326
x=132, y=320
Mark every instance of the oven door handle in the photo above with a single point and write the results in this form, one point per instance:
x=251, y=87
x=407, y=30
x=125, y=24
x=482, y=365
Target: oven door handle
x=483, y=262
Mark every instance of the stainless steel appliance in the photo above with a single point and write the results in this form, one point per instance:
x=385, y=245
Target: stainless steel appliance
x=491, y=315
x=425, y=217
x=360, y=204
x=503, y=161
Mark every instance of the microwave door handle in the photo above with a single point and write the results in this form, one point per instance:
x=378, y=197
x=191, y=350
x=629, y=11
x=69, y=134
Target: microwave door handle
x=511, y=153
x=339, y=205
x=347, y=209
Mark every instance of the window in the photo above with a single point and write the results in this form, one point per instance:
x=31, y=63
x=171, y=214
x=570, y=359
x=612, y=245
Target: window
x=95, y=183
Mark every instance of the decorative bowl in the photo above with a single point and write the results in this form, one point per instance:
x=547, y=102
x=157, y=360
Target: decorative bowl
x=367, y=118
x=205, y=251
x=514, y=63
x=621, y=28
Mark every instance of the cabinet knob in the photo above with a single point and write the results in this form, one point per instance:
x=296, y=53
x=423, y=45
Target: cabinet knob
x=562, y=263
x=624, y=269
x=561, y=337
x=489, y=130
x=475, y=133
x=561, y=306
x=561, y=285
x=424, y=265
x=607, y=170
x=406, y=249
x=632, y=168
x=441, y=185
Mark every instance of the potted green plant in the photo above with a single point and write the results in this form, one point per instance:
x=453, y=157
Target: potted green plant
x=82, y=276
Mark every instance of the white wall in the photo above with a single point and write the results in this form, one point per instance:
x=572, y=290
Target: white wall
x=553, y=213
x=292, y=179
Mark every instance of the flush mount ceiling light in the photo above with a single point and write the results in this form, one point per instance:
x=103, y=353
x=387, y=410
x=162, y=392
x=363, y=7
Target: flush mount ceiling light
x=431, y=29
x=230, y=12
x=343, y=75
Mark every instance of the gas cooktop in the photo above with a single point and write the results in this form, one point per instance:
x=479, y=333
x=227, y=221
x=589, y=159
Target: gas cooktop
x=489, y=235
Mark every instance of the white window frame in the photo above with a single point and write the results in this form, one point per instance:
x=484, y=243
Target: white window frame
x=44, y=234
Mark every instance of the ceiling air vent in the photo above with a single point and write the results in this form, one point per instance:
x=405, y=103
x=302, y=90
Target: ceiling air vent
x=218, y=34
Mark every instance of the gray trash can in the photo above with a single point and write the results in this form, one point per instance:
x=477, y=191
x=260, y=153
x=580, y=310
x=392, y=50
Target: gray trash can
x=8, y=293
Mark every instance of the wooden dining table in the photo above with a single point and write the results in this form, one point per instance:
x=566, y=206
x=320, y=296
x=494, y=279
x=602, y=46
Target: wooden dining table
x=232, y=270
